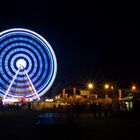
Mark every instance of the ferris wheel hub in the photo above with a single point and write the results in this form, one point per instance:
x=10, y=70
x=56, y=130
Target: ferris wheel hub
x=21, y=64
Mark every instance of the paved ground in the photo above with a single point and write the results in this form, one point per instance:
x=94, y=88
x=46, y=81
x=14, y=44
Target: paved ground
x=22, y=125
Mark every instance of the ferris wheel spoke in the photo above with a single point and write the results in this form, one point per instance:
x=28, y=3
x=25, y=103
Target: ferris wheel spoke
x=35, y=92
x=6, y=93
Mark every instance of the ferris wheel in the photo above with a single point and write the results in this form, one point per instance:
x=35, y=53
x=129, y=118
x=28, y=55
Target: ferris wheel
x=28, y=64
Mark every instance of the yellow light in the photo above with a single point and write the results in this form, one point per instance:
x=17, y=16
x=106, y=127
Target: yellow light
x=30, y=88
x=90, y=86
x=106, y=86
x=49, y=100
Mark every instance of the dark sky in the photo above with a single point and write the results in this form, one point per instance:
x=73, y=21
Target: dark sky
x=91, y=39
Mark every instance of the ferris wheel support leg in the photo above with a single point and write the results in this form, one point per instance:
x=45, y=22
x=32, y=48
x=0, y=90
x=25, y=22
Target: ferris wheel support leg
x=32, y=85
x=11, y=84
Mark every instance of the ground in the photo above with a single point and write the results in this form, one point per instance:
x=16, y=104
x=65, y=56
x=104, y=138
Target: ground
x=23, y=125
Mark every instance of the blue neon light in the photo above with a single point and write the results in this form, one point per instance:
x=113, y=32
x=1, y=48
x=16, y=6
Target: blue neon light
x=41, y=62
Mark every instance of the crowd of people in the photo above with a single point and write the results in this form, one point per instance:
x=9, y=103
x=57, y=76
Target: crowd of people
x=98, y=109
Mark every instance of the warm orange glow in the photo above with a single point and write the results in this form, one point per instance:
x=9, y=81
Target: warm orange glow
x=133, y=88
x=112, y=87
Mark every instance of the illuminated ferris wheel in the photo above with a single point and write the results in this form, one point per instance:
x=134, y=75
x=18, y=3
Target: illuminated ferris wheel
x=27, y=64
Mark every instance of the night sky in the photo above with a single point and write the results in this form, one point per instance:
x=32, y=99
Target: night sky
x=96, y=40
